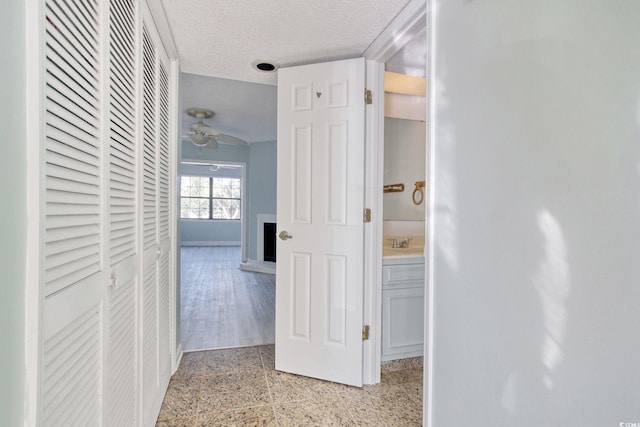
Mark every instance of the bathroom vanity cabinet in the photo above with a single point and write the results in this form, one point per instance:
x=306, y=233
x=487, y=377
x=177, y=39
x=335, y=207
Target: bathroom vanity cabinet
x=402, y=307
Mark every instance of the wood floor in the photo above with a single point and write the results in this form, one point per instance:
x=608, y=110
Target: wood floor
x=222, y=306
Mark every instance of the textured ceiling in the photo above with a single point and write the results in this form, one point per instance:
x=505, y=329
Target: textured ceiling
x=223, y=38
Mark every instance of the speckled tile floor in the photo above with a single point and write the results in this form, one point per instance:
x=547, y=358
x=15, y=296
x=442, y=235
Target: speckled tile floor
x=240, y=387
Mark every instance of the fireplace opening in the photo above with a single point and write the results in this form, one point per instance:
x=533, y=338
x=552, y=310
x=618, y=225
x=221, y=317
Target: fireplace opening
x=269, y=253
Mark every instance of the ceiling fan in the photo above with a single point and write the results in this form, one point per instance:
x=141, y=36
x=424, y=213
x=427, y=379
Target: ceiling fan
x=204, y=135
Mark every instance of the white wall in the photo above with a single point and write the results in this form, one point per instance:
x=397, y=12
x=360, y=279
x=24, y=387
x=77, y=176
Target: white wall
x=13, y=223
x=536, y=213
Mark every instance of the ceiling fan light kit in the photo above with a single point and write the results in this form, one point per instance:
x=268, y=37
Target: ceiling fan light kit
x=203, y=135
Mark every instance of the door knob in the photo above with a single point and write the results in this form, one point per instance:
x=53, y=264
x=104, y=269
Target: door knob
x=284, y=235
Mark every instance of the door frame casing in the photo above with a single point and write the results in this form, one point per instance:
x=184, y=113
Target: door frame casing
x=409, y=22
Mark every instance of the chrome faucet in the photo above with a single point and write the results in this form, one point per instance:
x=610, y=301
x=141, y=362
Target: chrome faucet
x=404, y=243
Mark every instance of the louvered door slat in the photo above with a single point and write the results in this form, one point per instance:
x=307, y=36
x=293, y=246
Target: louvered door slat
x=72, y=372
x=121, y=190
x=62, y=201
x=65, y=89
x=122, y=184
x=65, y=156
x=57, y=46
x=121, y=67
x=60, y=246
x=83, y=126
x=122, y=164
x=61, y=222
x=80, y=35
x=59, y=210
x=69, y=73
x=67, y=239
x=121, y=127
x=62, y=176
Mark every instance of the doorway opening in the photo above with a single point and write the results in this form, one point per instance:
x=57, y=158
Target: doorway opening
x=220, y=305
x=403, y=265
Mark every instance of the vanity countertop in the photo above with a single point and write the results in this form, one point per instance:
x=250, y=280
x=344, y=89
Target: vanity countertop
x=415, y=249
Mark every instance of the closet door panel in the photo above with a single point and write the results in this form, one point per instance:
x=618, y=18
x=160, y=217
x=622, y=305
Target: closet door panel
x=150, y=345
x=163, y=220
x=122, y=356
x=155, y=221
x=72, y=362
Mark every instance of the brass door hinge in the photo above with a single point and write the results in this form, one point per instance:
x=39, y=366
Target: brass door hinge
x=368, y=98
x=366, y=215
x=365, y=332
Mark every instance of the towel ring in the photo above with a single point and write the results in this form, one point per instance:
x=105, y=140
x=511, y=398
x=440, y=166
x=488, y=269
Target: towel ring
x=418, y=193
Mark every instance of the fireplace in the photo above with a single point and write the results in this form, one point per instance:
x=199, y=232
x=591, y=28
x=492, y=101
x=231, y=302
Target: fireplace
x=269, y=245
x=266, y=239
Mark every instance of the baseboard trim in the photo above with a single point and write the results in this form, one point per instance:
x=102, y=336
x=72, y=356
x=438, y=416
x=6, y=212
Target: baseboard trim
x=179, y=353
x=258, y=266
x=211, y=243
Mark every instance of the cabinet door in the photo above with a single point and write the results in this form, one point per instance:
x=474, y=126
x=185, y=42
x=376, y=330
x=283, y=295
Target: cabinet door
x=402, y=322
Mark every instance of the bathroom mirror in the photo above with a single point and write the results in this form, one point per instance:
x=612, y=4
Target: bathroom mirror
x=404, y=162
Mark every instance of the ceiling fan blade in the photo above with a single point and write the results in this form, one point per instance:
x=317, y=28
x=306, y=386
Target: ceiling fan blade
x=213, y=144
x=228, y=139
x=202, y=140
x=204, y=129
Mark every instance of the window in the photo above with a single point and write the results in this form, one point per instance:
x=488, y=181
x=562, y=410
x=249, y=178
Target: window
x=206, y=197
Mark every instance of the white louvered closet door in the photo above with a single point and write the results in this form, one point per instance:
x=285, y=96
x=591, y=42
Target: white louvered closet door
x=164, y=217
x=155, y=221
x=122, y=350
x=72, y=350
x=105, y=295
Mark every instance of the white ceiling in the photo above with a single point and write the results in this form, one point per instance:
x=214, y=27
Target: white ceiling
x=218, y=42
x=242, y=109
x=223, y=38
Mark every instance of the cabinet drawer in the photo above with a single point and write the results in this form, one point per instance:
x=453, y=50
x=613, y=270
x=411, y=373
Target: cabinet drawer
x=399, y=274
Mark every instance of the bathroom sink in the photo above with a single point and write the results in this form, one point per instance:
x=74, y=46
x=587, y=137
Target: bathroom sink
x=415, y=249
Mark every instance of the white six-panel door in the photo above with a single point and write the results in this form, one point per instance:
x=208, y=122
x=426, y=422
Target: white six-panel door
x=319, y=276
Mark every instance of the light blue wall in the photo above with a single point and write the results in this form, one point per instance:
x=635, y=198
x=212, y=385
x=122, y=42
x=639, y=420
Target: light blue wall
x=13, y=215
x=198, y=230
x=224, y=152
x=213, y=231
x=260, y=197
x=262, y=184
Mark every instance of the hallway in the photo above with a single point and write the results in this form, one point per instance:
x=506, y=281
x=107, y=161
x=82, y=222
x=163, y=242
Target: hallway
x=240, y=387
